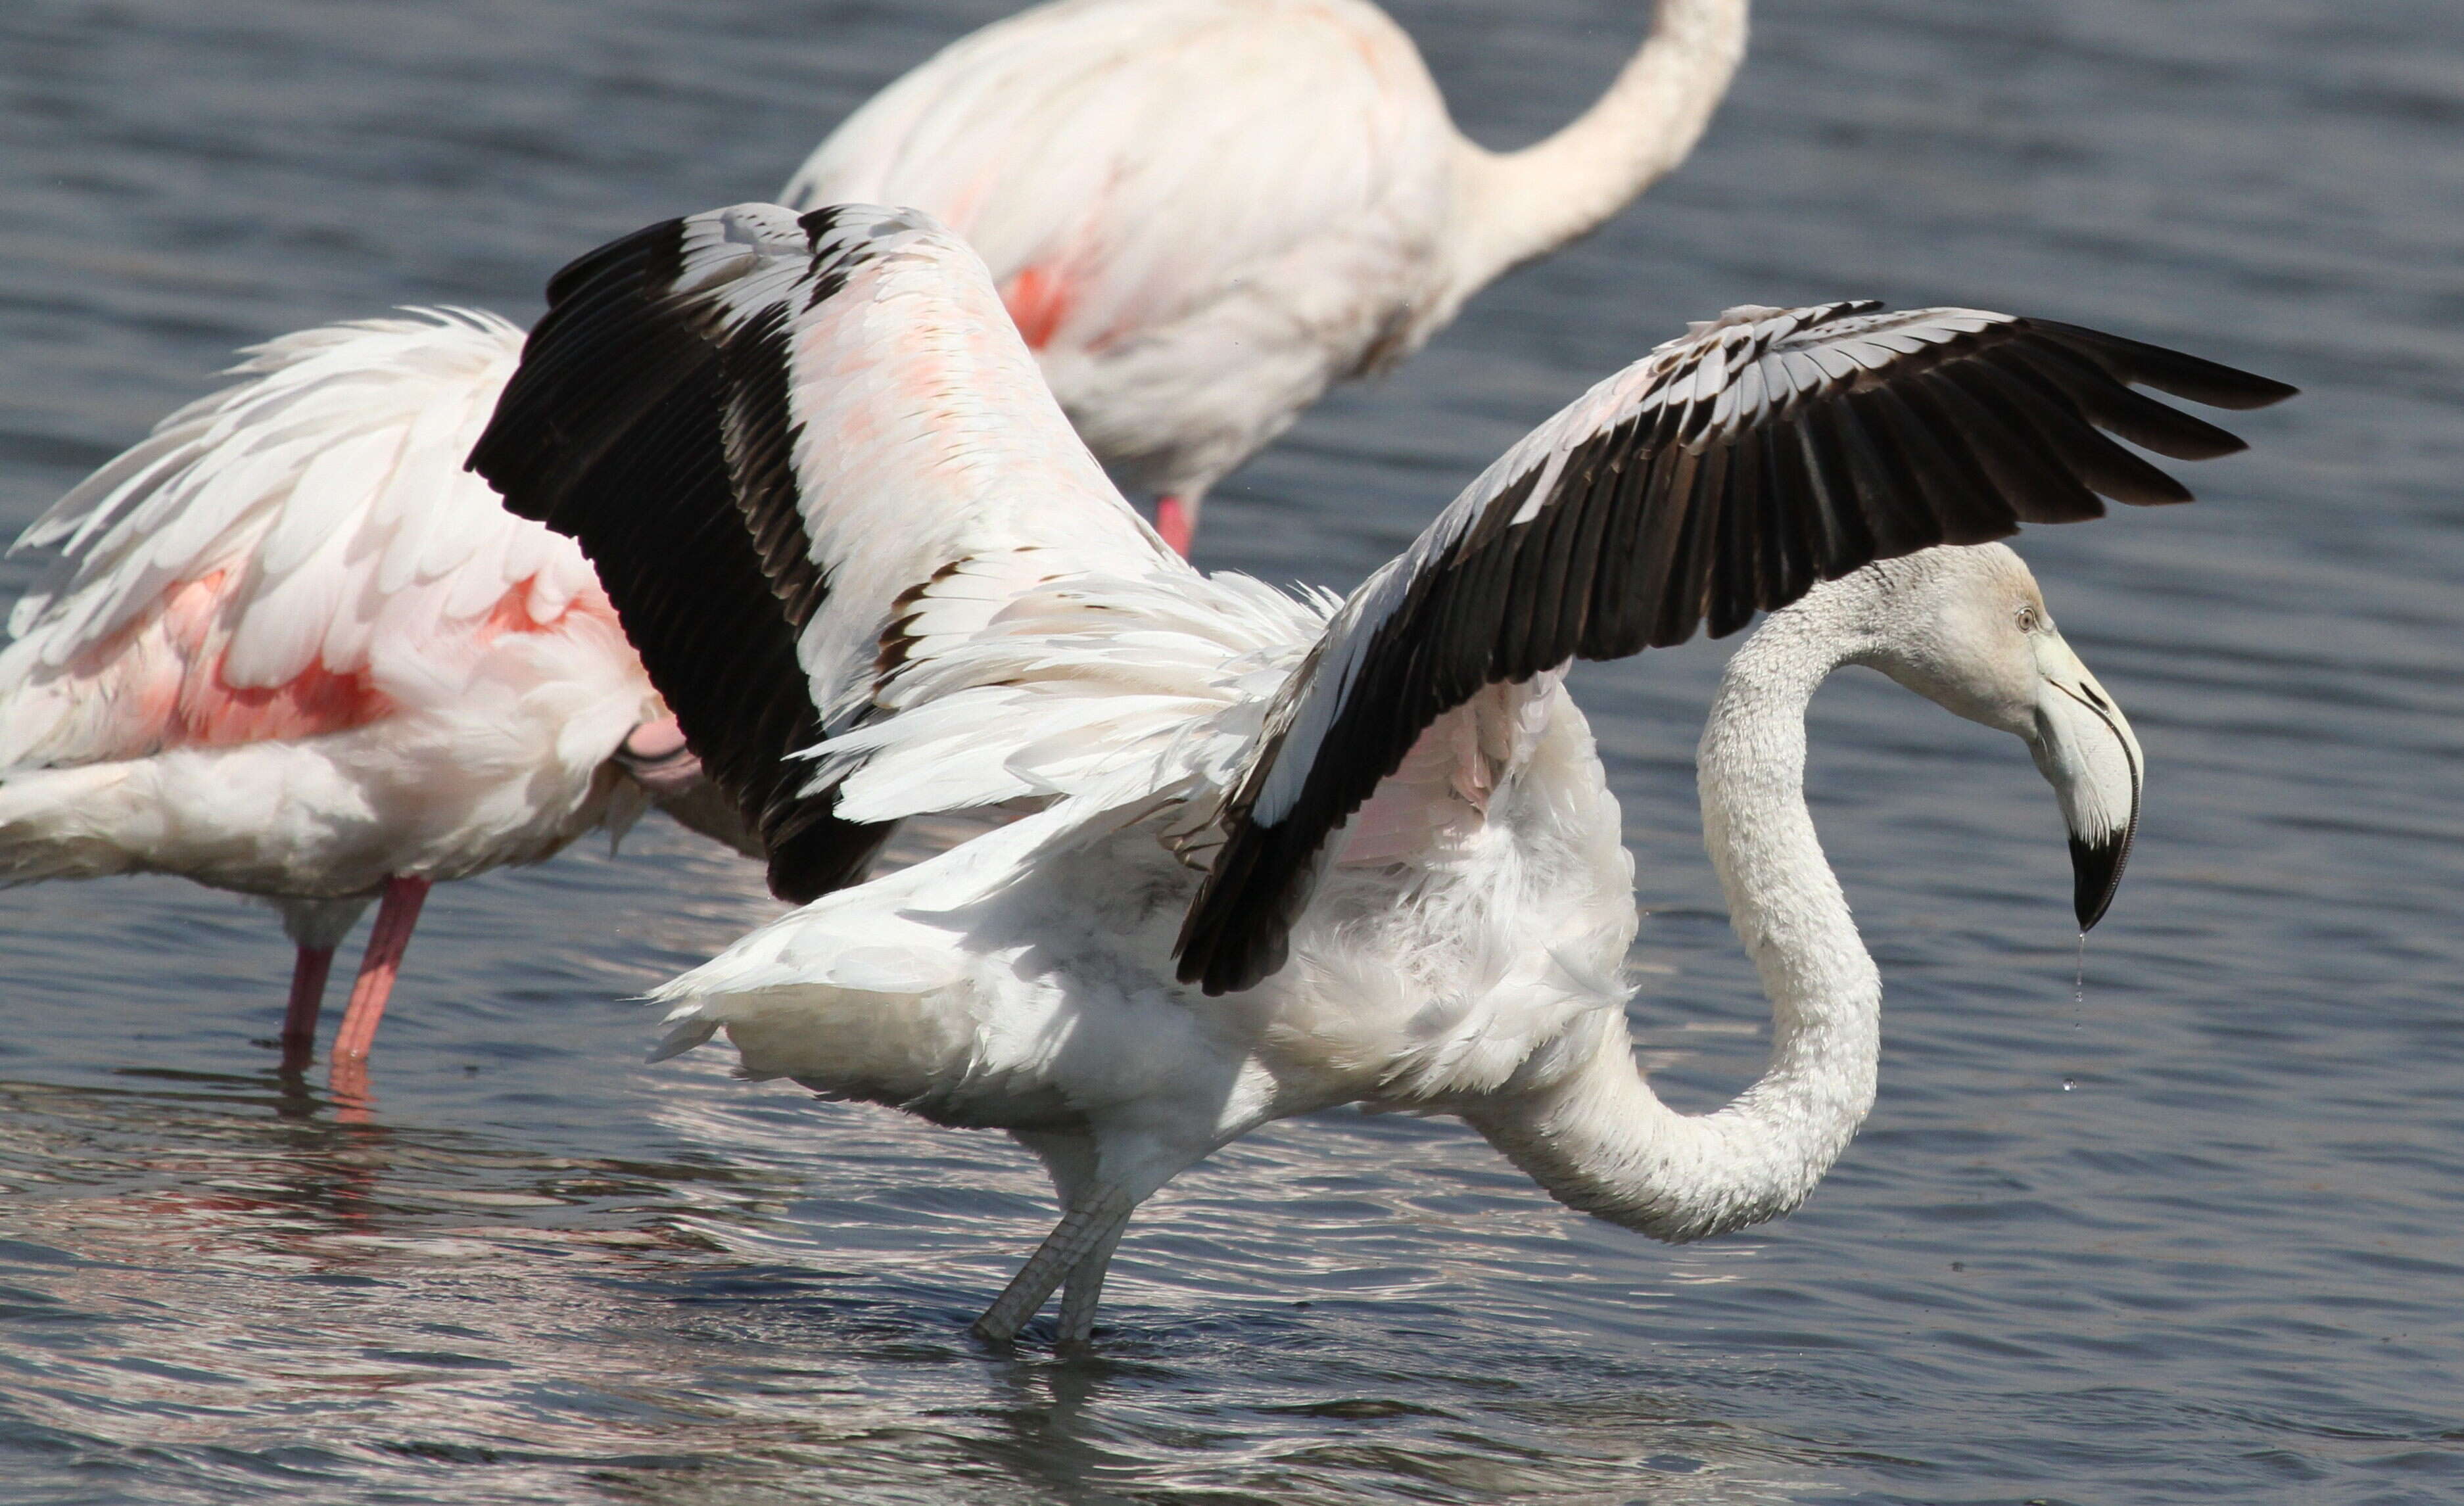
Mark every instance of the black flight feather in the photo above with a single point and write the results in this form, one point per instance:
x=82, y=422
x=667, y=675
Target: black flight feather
x=1665, y=516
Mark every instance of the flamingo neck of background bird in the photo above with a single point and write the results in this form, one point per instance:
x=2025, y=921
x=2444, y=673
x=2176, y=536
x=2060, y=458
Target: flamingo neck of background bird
x=1596, y=1136
x=1520, y=205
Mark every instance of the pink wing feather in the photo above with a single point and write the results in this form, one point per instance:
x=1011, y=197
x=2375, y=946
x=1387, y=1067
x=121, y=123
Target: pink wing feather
x=292, y=556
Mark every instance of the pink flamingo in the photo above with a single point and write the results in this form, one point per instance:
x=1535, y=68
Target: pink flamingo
x=1203, y=213
x=288, y=646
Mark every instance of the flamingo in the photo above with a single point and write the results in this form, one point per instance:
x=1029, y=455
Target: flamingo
x=1201, y=213
x=1290, y=851
x=287, y=645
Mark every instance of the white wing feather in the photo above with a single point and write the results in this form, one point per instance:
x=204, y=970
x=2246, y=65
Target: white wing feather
x=1047, y=644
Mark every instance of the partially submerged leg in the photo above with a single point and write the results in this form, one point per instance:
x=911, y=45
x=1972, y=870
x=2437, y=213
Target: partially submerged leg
x=1092, y=1223
x=396, y=915
x=1070, y=1160
x=1084, y=1289
x=316, y=927
x=308, y=976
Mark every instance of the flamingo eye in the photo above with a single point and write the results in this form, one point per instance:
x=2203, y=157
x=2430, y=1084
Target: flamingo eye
x=2031, y=620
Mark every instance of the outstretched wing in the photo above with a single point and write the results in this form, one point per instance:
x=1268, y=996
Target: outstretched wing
x=806, y=454
x=1721, y=476
x=256, y=567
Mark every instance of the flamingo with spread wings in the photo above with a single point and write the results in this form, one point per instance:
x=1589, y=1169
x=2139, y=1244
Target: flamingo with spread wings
x=1286, y=852
x=1203, y=213
x=287, y=645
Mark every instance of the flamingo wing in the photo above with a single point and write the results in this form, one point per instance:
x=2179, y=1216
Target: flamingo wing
x=812, y=457
x=1121, y=163
x=1722, y=475
x=284, y=557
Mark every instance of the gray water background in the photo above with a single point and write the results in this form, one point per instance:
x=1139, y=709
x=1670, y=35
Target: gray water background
x=2189, y=1235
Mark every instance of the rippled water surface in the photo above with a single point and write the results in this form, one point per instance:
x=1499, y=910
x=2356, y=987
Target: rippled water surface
x=2189, y=1234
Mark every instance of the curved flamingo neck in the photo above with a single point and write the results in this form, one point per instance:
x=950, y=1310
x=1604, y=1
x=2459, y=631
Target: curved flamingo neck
x=1518, y=205
x=1596, y=1135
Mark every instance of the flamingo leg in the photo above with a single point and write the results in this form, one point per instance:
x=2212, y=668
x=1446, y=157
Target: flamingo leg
x=1177, y=522
x=1091, y=1225
x=308, y=977
x=390, y=937
x=1073, y=1165
x=1083, y=1288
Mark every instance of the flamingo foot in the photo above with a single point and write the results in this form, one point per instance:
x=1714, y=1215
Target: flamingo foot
x=1177, y=522
x=396, y=915
x=308, y=977
x=655, y=753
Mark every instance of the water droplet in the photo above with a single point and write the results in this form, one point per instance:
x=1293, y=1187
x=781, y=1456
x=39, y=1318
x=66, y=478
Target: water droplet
x=2069, y=1084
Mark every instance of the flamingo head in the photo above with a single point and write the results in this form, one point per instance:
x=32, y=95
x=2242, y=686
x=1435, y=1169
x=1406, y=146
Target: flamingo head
x=1966, y=627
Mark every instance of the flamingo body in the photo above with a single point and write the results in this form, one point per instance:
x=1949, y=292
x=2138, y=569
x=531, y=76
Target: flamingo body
x=1203, y=213
x=288, y=646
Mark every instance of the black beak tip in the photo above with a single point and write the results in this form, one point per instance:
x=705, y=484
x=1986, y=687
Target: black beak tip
x=2097, y=868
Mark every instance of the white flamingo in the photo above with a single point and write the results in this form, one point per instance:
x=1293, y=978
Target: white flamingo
x=1201, y=213
x=1295, y=853
x=288, y=646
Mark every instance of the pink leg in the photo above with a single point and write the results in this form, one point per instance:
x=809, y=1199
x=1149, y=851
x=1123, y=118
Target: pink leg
x=396, y=915
x=1176, y=521
x=307, y=995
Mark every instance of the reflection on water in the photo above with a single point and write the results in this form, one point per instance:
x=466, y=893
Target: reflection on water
x=2186, y=1232
x=209, y=1291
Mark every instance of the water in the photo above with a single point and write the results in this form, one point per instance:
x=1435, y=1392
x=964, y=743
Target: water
x=2192, y=1235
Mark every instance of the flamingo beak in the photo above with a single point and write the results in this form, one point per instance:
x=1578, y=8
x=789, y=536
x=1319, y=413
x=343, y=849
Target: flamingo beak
x=655, y=755
x=2084, y=748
